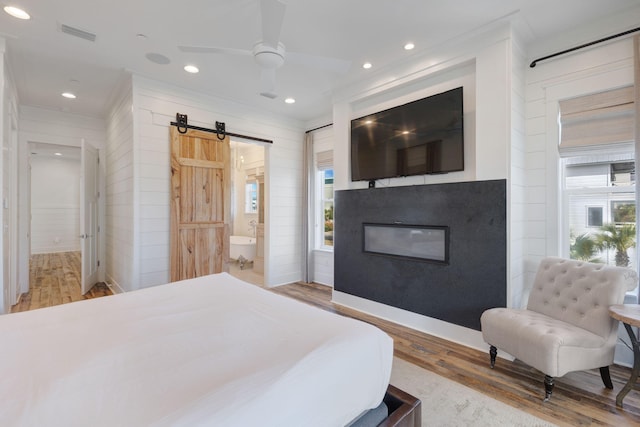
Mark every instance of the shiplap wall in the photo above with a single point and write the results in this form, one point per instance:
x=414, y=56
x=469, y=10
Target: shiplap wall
x=55, y=204
x=120, y=207
x=516, y=295
x=155, y=105
x=594, y=70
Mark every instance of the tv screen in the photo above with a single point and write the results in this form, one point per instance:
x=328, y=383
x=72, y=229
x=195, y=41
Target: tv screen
x=418, y=138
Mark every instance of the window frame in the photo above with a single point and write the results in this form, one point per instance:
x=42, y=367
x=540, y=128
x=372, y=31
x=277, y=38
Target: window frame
x=249, y=207
x=609, y=193
x=320, y=203
x=588, y=221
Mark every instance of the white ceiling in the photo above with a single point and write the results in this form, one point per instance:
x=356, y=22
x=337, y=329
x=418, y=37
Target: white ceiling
x=45, y=62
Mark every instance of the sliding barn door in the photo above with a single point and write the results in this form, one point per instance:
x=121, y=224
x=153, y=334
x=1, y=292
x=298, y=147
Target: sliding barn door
x=200, y=204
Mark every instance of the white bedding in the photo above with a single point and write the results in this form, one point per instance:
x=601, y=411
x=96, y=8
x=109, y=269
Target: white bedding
x=212, y=351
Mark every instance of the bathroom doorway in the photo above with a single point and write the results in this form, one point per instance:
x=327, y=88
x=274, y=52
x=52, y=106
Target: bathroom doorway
x=246, y=250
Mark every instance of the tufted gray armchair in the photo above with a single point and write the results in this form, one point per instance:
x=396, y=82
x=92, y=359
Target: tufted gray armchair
x=566, y=325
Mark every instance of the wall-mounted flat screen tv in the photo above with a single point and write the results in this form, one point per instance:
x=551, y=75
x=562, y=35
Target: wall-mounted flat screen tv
x=418, y=138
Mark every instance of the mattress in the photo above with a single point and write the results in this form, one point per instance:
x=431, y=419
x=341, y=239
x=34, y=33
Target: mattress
x=210, y=351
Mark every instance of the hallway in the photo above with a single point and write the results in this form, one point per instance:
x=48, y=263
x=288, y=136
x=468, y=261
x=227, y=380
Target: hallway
x=55, y=279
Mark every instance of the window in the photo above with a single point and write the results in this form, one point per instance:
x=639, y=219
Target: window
x=326, y=206
x=597, y=159
x=251, y=197
x=594, y=216
x=603, y=186
x=324, y=200
x=623, y=212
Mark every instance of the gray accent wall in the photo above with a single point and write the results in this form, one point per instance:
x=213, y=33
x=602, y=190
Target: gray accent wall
x=458, y=292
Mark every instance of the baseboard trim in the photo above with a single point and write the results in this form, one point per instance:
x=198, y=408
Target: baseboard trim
x=114, y=286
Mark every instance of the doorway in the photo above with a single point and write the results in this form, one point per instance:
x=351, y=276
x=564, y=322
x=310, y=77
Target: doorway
x=247, y=260
x=63, y=220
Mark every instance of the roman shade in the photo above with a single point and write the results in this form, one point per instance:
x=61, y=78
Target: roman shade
x=591, y=122
x=324, y=160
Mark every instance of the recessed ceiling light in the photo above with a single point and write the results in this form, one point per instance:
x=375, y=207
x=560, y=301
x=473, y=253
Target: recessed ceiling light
x=409, y=46
x=290, y=100
x=69, y=95
x=16, y=12
x=405, y=132
x=191, y=69
x=58, y=154
x=366, y=65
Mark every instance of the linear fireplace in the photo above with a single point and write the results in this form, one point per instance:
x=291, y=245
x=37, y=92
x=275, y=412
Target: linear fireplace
x=388, y=248
x=418, y=242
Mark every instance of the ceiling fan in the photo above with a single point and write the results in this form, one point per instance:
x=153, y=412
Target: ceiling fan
x=269, y=53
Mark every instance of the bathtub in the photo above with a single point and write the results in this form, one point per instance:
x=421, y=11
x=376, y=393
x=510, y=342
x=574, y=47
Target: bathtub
x=244, y=246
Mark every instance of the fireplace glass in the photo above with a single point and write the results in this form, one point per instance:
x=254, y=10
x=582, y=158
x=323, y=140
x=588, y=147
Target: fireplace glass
x=419, y=242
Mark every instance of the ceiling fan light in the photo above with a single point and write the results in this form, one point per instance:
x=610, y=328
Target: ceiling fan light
x=17, y=12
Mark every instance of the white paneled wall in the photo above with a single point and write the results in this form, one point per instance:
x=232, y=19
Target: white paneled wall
x=594, y=70
x=121, y=253
x=516, y=191
x=56, y=127
x=155, y=105
x=55, y=204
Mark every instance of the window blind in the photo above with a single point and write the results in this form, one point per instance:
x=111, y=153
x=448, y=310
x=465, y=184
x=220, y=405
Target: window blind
x=596, y=121
x=324, y=160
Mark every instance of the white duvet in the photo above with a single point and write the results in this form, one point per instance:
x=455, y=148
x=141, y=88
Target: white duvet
x=211, y=351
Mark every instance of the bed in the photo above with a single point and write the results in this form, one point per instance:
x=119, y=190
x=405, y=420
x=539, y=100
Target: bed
x=207, y=351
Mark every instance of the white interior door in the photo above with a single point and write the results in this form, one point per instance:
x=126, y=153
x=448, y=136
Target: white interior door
x=89, y=215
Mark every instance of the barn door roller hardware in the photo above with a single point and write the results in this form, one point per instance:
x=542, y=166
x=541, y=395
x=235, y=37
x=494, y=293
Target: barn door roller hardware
x=220, y=130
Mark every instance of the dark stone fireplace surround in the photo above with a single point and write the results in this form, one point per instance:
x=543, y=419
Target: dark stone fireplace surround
x=473, y=279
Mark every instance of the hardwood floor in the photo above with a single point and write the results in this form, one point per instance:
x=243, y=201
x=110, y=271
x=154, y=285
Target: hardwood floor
x=579, y=398
x=55, y=279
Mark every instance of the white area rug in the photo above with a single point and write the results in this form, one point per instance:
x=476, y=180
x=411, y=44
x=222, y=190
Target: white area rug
x=447, y=403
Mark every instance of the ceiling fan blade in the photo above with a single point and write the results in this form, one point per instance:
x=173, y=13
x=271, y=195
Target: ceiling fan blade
x=208, y=49
x=272, y=18
x=335, y=65
x=268, y=83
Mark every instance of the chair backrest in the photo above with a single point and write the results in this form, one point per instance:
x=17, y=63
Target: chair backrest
x=580, y=293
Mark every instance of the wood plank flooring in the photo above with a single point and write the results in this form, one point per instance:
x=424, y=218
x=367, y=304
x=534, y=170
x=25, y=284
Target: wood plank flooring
x=579, y=398
x=55, y=279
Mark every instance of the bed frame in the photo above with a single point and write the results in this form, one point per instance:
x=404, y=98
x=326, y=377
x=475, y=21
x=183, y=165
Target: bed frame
x=404, y=409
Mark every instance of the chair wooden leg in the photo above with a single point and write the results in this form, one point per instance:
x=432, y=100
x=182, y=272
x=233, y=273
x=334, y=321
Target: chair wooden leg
x=493, y=352
x=548, y=387
x=606, y=377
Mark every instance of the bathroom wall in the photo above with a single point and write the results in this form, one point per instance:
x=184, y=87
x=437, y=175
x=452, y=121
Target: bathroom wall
x=248, y=160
